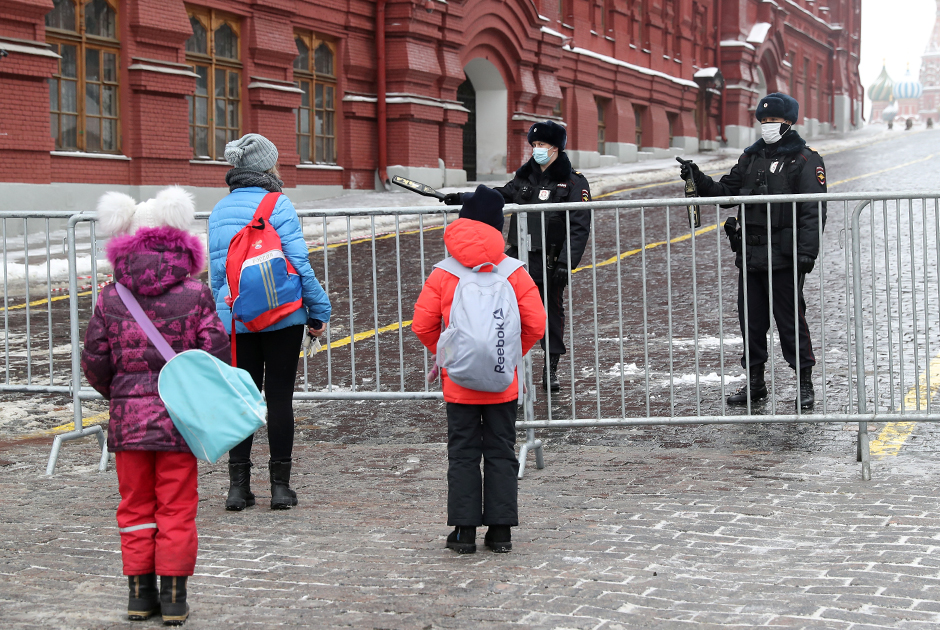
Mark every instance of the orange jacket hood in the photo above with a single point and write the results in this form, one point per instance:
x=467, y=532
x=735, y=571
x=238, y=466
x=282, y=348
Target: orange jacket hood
x=473, y=243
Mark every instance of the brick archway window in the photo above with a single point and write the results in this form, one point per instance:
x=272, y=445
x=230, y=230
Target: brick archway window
x=215, y=107
x=315, y=74
x=83, y=92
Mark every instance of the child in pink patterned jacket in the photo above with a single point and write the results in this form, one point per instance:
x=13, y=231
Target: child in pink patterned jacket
x=154, y=256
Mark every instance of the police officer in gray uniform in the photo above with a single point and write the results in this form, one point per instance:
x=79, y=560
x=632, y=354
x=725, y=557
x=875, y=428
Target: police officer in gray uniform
x=547, y=177
x=779, y=163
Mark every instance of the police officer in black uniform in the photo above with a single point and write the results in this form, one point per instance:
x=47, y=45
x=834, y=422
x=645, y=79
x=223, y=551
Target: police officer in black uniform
x=547, y=177
x=779, y=163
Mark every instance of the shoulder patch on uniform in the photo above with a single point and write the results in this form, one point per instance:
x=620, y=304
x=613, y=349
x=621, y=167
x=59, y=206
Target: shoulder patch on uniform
x=585, y=195
x=821, y=175
x=576, y=172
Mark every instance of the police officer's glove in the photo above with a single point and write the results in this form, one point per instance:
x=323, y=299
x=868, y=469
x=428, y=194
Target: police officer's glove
x=453, y=199
x=804, y=263
x=689, y=170
x=560, y=275
x=734, y=235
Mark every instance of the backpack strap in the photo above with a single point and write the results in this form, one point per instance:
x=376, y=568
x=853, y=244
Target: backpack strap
x=505, y=268
x=508, y=266
x=266, y=207
x=453, y=267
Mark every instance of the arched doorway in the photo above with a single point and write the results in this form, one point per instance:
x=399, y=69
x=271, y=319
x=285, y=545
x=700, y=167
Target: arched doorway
x=468, y=98
x=487, y=123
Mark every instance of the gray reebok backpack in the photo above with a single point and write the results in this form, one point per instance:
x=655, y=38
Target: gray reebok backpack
x=482, y=343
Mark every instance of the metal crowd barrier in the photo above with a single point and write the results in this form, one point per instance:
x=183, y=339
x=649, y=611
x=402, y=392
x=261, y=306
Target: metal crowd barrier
x=652, y=338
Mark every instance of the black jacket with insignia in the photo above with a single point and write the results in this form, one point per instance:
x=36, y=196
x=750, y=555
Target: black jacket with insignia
x=559, y=183
x=786, y=167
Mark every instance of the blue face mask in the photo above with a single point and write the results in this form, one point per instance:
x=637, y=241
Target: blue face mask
x=541, y=155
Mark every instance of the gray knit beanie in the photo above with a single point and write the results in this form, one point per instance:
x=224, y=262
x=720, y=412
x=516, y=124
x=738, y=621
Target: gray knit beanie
x=252, y=151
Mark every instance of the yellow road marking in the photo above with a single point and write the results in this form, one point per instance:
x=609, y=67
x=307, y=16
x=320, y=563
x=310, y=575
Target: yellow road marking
x=894, y=434
x=366, y=334
x=42, y=301
x=65, y=428
x=634, y=252
x=884, y=170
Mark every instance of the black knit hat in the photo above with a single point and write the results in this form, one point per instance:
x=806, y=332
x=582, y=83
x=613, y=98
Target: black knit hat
x=778, y=105
x=550, y=132
x=484, y=205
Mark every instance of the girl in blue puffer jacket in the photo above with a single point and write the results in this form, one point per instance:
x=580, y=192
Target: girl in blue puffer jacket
x=271, y=355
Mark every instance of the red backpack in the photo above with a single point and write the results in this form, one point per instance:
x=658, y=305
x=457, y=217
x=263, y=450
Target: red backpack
x=264, y=287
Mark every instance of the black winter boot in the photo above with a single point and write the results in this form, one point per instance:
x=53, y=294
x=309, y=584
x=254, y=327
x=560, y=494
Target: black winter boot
x=807, y=393
x=463, y=539
x=498, y=538
x=173, y=604
x=758, y=388
x=143, y=600
x=550, y=373
x=282, y=497
x=239, y=489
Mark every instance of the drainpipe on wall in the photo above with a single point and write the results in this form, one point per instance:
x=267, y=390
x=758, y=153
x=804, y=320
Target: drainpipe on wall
x=721, y=102
x=832, y=85
x=380, y=89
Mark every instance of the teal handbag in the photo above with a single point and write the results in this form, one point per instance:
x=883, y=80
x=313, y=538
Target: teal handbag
x=213, y=405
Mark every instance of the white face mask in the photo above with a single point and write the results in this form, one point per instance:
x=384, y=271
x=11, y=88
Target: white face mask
x=541, y=155
x=772, y=132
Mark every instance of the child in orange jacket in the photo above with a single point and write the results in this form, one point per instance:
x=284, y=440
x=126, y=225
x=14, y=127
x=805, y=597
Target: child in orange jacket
x=479, y=424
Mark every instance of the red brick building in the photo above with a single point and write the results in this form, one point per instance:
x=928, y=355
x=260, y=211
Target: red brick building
x=143, y=93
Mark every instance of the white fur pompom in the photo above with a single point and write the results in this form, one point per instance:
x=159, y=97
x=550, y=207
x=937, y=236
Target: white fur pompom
x=115, y=213
x=174, y=207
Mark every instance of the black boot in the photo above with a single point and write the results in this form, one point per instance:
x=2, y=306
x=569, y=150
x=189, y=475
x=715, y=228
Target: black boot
x=282, y=497
x=463, y=539
x=758, y=388
x=239, y=490
x=173, y=604
x=807, y=393
x=498, y=538
x=144, y=598
x=550, y=373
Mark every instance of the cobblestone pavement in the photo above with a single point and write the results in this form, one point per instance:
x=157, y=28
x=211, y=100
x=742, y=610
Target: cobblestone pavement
x=612, y=536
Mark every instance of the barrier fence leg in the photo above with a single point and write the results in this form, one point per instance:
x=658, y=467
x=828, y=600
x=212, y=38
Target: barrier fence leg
x=103, y=443
x=528, y=407
x=77, y=435
x=864, y=454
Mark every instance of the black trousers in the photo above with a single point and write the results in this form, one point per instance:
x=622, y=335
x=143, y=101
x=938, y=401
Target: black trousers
x=487, y=431
x=271, y=358
x=556, y=317
x=784, y=309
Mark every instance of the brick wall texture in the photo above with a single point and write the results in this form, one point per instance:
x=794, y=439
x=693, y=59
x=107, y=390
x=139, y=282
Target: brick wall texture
x=554, y=60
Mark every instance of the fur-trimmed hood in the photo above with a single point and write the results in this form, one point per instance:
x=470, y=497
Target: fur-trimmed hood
x=559, y=171
x=153, y=260
x=790, y=143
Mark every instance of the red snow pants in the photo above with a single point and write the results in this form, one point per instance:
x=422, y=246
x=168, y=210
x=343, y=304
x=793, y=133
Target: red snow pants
x=157, y=513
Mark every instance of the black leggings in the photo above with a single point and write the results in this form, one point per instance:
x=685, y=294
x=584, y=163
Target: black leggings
x=275, y=355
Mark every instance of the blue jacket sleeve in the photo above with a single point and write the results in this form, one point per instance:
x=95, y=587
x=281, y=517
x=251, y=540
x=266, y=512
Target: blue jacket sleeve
x=285, y=221
x=216, y=250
